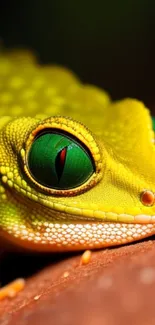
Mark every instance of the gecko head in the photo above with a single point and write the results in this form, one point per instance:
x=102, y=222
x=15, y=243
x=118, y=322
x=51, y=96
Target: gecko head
x=56, y=170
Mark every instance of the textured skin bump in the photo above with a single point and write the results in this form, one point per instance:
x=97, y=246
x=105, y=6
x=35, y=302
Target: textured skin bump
x=107, y=209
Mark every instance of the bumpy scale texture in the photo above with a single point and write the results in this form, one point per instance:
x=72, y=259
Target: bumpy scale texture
x=109, y=208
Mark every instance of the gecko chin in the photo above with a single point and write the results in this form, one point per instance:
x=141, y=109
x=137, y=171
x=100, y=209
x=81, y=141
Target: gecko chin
x=76, y=236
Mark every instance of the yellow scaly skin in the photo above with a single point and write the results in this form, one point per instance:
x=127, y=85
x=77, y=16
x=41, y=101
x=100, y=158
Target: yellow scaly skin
x=106, y=210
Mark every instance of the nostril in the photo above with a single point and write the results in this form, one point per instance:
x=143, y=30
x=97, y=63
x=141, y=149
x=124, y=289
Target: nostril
x=147, y=197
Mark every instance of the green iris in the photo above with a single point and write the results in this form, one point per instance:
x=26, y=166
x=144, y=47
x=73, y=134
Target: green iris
x=58, y=161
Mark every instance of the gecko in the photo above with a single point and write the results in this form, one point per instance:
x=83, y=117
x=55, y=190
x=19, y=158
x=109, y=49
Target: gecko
x=77, y=170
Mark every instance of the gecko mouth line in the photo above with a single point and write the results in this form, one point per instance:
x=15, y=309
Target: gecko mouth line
x=77, y=213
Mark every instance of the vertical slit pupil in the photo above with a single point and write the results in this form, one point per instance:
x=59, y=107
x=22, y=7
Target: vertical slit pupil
x=60, y=162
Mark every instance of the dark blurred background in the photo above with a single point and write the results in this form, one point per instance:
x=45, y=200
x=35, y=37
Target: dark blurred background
x=108, y=43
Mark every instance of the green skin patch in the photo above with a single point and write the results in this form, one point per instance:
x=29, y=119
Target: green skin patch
x=58, y=161
x=153, y=122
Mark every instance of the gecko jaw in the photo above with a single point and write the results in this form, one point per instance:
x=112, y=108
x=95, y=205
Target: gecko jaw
x=57, y=227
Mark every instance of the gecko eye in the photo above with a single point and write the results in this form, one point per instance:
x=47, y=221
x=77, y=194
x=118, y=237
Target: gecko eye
x=59, y=161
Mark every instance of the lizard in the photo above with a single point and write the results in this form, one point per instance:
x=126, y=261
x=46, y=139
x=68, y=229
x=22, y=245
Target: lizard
x=76, y=169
